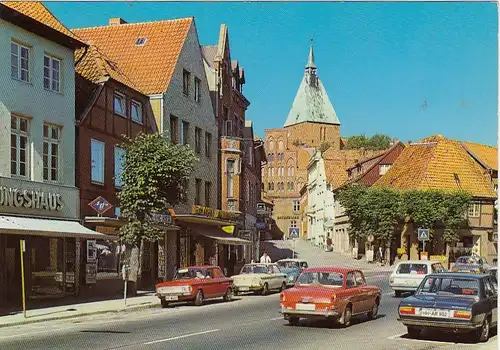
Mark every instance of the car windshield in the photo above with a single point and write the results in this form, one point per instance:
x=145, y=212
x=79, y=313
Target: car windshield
x=249, y=269
x=289, y=264
x=461, y=286
x=467, y=260
x=419, y=269
x=326, y=279
x=183, y=274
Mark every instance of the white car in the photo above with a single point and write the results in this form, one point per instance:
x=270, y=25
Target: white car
x=260, y=278
x=408, y=274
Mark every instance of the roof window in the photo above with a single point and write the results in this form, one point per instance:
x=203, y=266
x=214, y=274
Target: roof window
x=140, y=41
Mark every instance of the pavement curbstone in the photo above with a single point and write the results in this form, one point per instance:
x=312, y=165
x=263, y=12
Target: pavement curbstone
x=131, y=308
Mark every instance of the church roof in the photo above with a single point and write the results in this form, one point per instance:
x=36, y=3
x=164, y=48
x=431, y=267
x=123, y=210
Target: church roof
x=311, y=103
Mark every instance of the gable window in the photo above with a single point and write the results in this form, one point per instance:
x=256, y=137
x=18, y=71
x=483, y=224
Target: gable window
x=208, y=191
x=296, y=206
x=197, y=89
x=186, y=77
x=185, y=133
x=136, y=111
x=19, y=146
x=19, y=62
x=97, y=161
x=119, y=160
x=383, y=168
x=51, y=149
x=474, y=210
x=197, y=140
x=270, y=186
x=293, y=224
x=208, y=144
x=174, y=129
x=230, y=170
x=119, y=104
x=51, y=73
x=495, y=187
x=140, y=41
x=197, y=198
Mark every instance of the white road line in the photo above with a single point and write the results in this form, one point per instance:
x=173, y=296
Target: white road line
x=181, y=337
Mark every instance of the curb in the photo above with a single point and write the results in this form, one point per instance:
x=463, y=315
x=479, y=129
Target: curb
x=81, y=314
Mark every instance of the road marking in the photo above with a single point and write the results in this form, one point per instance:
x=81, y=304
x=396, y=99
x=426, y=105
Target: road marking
x=181, y=336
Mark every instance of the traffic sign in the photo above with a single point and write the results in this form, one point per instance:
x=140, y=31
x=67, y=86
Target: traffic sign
x=370, y=238
x=260, y=225
x=100, y=205
x=293, y=232
x=423, y=234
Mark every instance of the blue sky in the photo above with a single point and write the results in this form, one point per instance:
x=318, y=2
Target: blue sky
x=409, y=70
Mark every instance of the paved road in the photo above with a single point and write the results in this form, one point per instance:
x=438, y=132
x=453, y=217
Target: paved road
x=250, y=322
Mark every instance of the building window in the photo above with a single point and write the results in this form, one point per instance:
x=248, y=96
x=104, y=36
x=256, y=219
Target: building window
x=136, y=109
x=495, y=187
x=197, y=89
x=97, y=161
x=231, y=205
x=119, y=104
x=117, y=212
x=19, y=62
x=293, y=224
x=280, y=145
x=186, y=77
x=474, y=210
x=119, y=161
x=271, y=145
x=174, y=129
x=51, y=73
x=197, y=140
x=383, y=168
x=51, y=149
x=208, y=191
x=296, y=206
x=228, y=128
x=208, y=144
x=197, y=198
x=185, y=133
x=230, y=170
x=19, y=146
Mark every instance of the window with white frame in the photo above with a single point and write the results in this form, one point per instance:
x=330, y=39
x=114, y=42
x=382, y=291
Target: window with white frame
x=270, y=171
x=97, y=161
x=230, y=169
x=383, y=168
x=19, y=62
x=136, y=111
x=119, y=162
x=495, y=187
x=19, y=147
x=119, y=104
x=51, y=150
x=231, y=205
x=197, y=89
x=51, y=73
x=296, y=206
x=474, y=210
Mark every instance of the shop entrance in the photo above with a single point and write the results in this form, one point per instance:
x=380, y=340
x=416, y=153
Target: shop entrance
x=12, y=271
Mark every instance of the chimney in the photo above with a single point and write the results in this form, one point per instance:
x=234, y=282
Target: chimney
x=116, y=21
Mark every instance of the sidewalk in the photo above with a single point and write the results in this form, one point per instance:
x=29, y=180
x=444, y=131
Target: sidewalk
x=316, y=256
x=77, y=310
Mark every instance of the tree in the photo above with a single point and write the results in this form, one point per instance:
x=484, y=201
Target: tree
x=376, y=142
x=154, y=172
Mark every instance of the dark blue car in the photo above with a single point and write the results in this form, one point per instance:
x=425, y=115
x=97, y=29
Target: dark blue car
x=452, y=302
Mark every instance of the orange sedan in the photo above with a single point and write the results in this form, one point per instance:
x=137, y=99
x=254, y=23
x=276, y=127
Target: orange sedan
x=332, y=293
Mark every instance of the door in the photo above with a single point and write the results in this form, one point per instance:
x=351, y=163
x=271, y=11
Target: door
x=211, y=284
x=13, y=271
x=492, y=295
x=354, y=295
x=279, y=277
x=366, y=296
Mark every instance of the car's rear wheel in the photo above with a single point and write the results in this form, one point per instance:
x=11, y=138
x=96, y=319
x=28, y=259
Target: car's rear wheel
x=397, y=293
x=374, y=311
x=229, y=294
x=164, y=303
x=413, y=332
x=347, y=316
x=198, y=300
x=483, y=334
x=265, y=289
x=293, y=321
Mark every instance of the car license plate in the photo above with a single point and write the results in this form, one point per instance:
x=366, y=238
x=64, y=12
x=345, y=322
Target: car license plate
x=171, y=297
x=244, y=289
x=305, y=307
x=434, y=313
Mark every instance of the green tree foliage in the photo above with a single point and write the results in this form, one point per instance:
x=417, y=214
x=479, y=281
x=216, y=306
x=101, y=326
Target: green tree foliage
x=154, y=171
x=376, y=142
x=378, y=211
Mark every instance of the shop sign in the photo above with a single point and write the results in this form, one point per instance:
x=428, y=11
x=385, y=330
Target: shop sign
x=164, y=219
x=219, y=214
x=17, y=198
x=91, y=251
x=261, y=209
x=100, y=205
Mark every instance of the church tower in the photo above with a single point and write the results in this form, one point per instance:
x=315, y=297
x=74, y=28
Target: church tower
x=312, y=120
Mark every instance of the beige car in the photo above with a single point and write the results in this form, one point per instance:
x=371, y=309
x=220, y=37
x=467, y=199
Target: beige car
x=259, y=278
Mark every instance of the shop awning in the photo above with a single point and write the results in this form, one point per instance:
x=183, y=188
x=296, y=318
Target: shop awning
x=48, y=228
x=219, y=235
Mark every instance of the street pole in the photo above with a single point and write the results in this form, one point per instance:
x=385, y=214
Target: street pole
x=293, y=251
x=124, y=274
x=22, y=248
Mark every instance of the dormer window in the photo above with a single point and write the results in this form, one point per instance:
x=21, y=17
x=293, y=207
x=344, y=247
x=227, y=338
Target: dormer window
x=140, y=41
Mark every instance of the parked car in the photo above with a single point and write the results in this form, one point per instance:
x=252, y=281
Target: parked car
x=452, y=302
x=195, y=284
x=408, y=274
x=471, y=264
x=493, y=271
x=331, y=293
x=292, y=268
x=259, y=278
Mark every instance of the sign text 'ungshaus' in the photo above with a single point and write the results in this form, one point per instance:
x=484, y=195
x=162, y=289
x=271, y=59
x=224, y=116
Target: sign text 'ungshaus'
x=17, y=198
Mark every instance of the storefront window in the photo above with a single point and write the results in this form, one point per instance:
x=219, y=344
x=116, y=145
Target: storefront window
x=47, y=256
x=108, y=258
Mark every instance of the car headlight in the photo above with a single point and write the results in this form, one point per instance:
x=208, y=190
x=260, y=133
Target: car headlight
x=187, y=289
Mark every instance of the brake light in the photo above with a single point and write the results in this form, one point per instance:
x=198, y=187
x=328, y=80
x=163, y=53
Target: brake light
x=282, y=296
x=334, y=297
x=462, y=314
x=406, y=310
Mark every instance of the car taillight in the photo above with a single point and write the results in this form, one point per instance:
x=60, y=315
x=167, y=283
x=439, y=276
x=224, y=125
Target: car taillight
x=406, y=310
x=282, y=296
x=334, y=297
x=462, y=314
